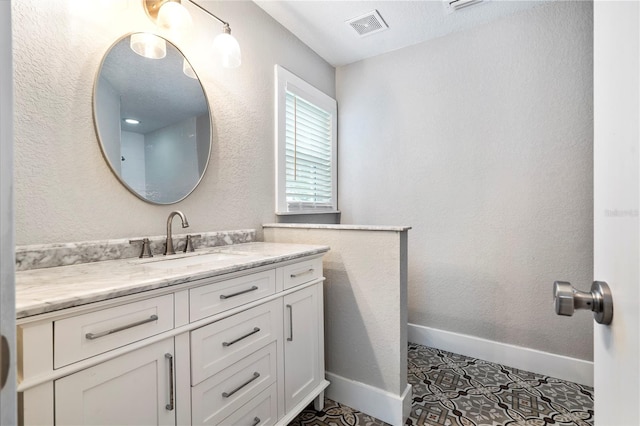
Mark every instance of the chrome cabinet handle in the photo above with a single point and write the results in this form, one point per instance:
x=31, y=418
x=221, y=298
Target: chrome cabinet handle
x=256, y=421
x=251, y=333
x=599, y=300
x=290, y=338
x=93, y=336
x=228, y=394
x=227, y=296
x=169, y=406
x=302, y=273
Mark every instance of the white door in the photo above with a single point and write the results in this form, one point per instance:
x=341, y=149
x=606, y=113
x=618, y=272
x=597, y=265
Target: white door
x=302, y=364
x=133, y=389
x=7, y=306
x=616, y=194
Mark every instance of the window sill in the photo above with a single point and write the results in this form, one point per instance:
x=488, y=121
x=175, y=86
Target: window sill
x=307, y=212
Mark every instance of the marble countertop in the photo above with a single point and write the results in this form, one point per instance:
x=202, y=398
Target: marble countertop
x=50, y=289
x=345, y=227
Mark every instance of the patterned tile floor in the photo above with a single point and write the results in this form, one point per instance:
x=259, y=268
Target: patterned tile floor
x=451, y=389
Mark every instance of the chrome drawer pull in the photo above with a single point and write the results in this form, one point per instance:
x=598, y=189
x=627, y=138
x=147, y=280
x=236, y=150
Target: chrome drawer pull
x=93, y=336
x=228, y=394
x=223, y=296
x=255, y=330
x=302, y=273
x=170, y=405
x=290, y=338
x=256, y=421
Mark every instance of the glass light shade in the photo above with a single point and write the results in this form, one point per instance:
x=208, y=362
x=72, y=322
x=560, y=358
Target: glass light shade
x=226, y=47
x=188, y=70
x=174, y=16
x=148, y=45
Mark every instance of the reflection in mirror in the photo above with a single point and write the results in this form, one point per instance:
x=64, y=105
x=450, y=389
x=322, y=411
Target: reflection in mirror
x=153, y=120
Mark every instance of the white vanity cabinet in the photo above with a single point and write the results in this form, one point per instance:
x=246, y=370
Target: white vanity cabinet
x=242, y=348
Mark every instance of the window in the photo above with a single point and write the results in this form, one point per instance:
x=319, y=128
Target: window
x=305, y=147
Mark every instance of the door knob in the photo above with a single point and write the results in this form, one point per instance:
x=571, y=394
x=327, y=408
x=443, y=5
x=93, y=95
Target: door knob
x=567, y=299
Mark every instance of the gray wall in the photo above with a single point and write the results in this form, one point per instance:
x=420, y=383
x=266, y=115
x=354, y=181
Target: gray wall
x=109, y=116
x=171, y=169
x=64, y=188
x=203, y=135
x=482, y=142
x=133, y=165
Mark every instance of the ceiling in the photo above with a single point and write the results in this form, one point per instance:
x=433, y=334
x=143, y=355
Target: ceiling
x=322, y=26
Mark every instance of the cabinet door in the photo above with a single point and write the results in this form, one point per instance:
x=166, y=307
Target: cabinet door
x=134, y=389
x=303, y=341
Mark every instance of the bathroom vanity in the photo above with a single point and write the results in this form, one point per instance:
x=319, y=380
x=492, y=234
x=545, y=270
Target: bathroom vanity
x=230, y=335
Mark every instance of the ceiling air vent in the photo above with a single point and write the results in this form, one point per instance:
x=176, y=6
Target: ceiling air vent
x=451, y=6
x=367, y=24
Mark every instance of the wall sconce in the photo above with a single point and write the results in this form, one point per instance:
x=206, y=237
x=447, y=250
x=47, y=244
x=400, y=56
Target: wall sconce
x=172, y=15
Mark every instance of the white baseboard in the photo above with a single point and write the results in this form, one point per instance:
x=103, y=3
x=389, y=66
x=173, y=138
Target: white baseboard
x=383, y=405
x=548, y=364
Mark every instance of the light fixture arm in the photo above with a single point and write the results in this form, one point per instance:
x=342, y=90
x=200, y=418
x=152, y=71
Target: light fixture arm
x=226, y=24
x=152, y=7
x=224, y=44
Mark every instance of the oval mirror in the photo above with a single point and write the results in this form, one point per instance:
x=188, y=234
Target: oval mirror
x=152, y=118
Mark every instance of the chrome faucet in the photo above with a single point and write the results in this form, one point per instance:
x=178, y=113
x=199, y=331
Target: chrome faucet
x=185, y=224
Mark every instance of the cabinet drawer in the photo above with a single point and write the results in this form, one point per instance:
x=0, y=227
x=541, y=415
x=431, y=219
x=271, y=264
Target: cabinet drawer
x=218, y=297
x=220, y=344
x=233, y=387
x=260, y=411
x=90, y=334
x=302, y=272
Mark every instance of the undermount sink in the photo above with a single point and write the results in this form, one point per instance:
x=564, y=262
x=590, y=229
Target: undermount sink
x=188, y=259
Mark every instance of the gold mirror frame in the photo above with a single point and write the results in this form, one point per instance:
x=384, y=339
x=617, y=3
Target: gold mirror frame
x=157, y=195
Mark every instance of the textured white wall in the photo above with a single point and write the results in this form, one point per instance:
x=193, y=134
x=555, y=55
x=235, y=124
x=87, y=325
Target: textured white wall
x=482, y=141
x=65, y=190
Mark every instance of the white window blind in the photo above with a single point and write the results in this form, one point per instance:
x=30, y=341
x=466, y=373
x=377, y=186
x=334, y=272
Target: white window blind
x=309, y=184
x=305, y=147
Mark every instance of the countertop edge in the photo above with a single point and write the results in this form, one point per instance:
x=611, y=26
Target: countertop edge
x=108, y=292
x=337, y=227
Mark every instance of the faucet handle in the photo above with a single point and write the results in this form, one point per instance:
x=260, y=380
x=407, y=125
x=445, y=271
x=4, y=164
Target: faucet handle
x=188, y=246
x=146, y=247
